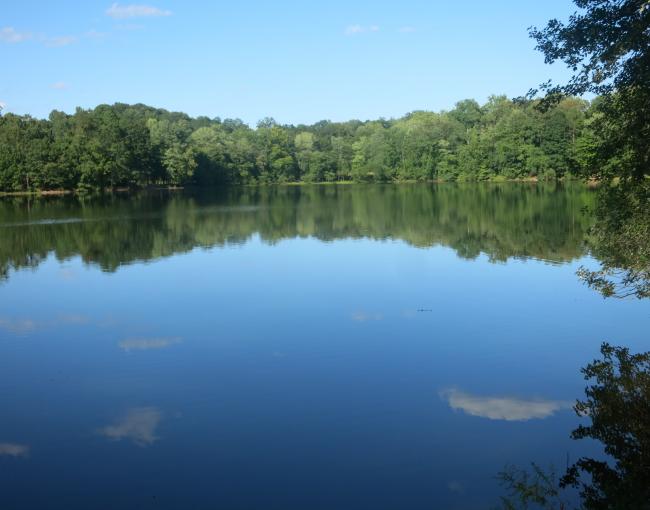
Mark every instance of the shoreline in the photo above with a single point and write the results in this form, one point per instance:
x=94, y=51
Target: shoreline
x=591, y=183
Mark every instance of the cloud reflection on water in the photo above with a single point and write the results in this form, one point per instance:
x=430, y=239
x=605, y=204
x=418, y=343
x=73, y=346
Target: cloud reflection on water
x=138, y=425
x=17, y=326
x=365, y=317
x=146, y=344
x=13, y=450
x=502, y=407
x=25, y=325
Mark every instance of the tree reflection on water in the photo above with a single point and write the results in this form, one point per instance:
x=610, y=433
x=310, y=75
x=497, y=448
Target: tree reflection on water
x=617, y=400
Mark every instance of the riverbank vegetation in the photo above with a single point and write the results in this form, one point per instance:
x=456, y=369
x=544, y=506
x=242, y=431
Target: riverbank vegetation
x=120, y=145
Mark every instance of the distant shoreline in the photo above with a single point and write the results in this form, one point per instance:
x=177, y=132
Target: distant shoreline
x=125, y=190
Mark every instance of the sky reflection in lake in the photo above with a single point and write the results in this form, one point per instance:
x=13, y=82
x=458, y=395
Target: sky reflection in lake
x=282, y=356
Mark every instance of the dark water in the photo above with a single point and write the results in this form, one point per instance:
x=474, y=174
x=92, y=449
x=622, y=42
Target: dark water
x=320, y=347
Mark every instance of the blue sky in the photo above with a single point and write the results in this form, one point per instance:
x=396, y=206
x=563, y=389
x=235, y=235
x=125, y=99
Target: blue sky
x=298, y=62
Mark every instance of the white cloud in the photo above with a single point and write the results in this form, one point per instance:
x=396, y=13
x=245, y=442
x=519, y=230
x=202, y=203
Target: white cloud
x=94, y=34
x=359, y=29
x=353, y=29
x=407, y=30
x=145, y=344
x=10, y=35
x=138, y=425
x=117, y=11
x=502, y=408
x=14, y=450
x=3, y=105
x=59, y=85
x=128, y=27
x=63, y=40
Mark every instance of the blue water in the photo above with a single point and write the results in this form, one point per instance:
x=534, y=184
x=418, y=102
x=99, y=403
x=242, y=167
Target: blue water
x=250, y=370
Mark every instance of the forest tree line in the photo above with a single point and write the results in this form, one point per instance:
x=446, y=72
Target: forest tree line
x=124, y=145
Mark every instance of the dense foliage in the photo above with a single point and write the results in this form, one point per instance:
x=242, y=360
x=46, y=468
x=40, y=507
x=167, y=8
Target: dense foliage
x=132, y=146
x=606, y=45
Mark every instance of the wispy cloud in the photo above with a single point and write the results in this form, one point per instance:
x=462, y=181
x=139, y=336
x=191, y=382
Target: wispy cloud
x=145, y=344
x=13, y=450
x=117, y=11
x=59, y=41
x=128, y=27
x=360, y=29
x=138, y=425
x=10, y=35
x=353, y=29
x=407, y=30
x=59, y=85
x=94, y=34
x=502, y=408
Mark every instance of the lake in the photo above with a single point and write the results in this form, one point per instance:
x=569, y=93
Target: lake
x=321, y=347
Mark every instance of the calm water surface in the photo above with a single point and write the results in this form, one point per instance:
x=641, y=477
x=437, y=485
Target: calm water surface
x=320, y=347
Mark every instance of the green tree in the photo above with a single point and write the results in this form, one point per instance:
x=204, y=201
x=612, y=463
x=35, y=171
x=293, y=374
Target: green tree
x=607, y=45
x=304, y=144
x=180, y=163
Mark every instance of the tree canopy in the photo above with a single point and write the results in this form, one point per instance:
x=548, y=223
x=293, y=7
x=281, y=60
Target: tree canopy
x=135, y=145
x=606, y=44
